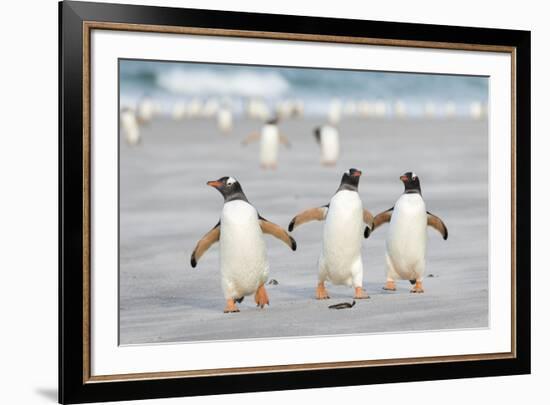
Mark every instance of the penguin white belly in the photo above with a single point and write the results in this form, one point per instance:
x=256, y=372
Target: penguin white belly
x=269, y=145
x=406, y=243
x=243, y=258
x=342, y=237
x=330, y=145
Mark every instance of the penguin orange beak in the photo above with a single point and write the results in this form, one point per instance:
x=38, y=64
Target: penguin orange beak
x=357, y=173
x=404, y=178
x=214, y=183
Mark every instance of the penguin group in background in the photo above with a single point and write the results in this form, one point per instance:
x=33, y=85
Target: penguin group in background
x=270, y=137
x=406, y=240
x=328, y=139
x=243, y=258
x=340, y=261
x=130, y=127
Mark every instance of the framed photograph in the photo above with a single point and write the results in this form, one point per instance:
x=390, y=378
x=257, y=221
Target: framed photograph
x=253, y=202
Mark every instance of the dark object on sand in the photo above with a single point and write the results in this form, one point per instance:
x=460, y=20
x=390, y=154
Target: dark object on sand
x=273, y=282
x=430, y=275
x=342, y=305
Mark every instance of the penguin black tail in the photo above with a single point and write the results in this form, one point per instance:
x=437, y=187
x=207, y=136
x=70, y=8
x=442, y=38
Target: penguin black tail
x=413, y=282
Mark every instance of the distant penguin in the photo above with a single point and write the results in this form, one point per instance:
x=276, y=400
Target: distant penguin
x=270, y=137
x=243, y=259
x=130, y=127
x=225, y=120
x=340, y=261
x=400, y=109
x=328, y=139
x=406, y=240
x=335, y=112
x=178, y=111
x=450, y=109
x=145, y=110
x=380, y=109
x=430, y=109
x=476, y=110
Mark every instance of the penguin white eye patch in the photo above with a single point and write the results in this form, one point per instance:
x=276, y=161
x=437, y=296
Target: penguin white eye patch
x=230, y=181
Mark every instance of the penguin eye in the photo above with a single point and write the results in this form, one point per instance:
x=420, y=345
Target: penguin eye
x=230, y=182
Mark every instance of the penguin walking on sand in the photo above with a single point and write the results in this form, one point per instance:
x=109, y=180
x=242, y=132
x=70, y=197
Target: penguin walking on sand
x=340, y=261
x=328, y=139
x=243, y=259
x=406, y=240
x=270, y=137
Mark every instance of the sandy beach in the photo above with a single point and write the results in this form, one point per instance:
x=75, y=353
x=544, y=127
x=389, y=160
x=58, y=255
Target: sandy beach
x=165, y=207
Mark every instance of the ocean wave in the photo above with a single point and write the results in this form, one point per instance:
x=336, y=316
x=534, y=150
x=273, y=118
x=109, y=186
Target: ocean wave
x=201, y=83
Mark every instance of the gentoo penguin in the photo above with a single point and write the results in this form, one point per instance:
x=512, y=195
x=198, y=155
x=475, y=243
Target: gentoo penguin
x=340, y=260
x=406, y=241
x=225, y=120
x=270, y=138
x=335, y=112
x=145, y=110
x=243, y=259
x=327, y=138
x=130, y=126
x=178, y=111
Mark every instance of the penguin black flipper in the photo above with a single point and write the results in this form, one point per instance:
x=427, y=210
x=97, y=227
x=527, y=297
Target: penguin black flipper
x=379, y=220
x=368, y=219
x=276, y=231
x=312, y=214
x=204, y=244
x=436, y=223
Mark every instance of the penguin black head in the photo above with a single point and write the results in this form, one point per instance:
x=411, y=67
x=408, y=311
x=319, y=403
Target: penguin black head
x=229, y=187
x=350, y=180
x=411, y=182
x=317, y=134
x=273, y=120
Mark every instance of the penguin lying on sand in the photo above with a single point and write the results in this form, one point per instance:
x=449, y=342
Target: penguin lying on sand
x=340, y=261
x=270, y=138
x=406, y=241
x=243, y=259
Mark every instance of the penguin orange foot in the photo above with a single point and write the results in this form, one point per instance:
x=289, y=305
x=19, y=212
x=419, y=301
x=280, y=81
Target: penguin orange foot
x=390, y=286
x=230, y=306
x=321, y=292
x=417, y=289
x=360, y=294
x=261, y=297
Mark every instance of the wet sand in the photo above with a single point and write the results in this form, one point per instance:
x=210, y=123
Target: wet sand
x=165, y=207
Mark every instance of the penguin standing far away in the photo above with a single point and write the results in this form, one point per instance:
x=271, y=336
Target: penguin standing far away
x=270, y=138
x=406, y=240
x=328, y=140
x=243, y=258
x=340, y=261
x=130, y=126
